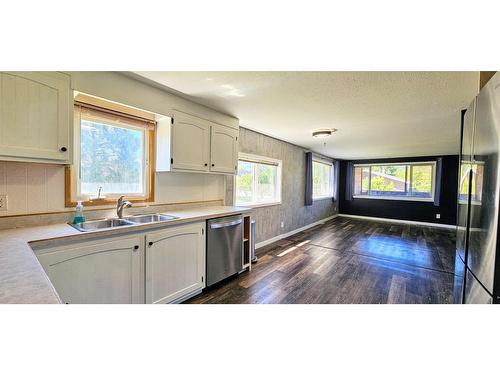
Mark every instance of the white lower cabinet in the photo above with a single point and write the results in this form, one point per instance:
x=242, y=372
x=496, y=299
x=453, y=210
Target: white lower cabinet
x=157, y=266
x=101, y=271
x=175, y=263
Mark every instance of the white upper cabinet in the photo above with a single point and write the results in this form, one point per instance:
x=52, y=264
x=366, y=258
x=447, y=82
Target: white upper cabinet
x=175, y=263
x=101, y=271
x=223, y=149
x=35, y=117
x=196, y=145
x=190, y=143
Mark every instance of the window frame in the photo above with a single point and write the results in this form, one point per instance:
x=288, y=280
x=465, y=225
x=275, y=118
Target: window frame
x=331, y=165
x=252, y=158
x=408, y=181
x=72, y=173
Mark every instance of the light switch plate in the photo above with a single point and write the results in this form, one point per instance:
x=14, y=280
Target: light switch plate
x=438, y=216
x=3, y=202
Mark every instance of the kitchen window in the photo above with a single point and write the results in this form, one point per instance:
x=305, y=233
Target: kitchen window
x=258, y=182
x=404, y=181
x=322, y=179
x=113, y=154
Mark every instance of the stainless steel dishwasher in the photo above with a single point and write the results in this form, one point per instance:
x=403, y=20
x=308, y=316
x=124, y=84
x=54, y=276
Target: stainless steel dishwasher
x=224, y=248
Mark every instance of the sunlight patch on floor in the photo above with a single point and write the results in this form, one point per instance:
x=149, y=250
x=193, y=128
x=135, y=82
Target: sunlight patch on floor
x=289, y=250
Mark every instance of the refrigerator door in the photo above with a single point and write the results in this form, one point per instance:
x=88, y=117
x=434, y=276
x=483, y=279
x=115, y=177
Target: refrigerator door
x=464, y=180
x=482, y=243
x=459, y=280
x=474, y=291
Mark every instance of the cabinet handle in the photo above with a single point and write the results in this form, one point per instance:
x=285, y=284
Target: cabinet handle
x=206, y=164
x=64, y=149
x=213, y=165
x=150, y=243
x=136, y=247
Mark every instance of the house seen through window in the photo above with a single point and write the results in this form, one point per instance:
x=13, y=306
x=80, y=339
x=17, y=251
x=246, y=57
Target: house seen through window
x=397, y=181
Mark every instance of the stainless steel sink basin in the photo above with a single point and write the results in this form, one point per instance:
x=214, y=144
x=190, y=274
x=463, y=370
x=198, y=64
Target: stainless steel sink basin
x=142, y=219
x=100, y=224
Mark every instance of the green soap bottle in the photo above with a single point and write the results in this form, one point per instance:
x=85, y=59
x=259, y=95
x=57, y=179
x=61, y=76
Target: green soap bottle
x=79, y=218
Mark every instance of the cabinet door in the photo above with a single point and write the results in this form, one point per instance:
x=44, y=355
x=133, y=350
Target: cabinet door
x=223, y=149
x=105, y=271
x=175, y=263
x=35, y=116
x=190, y=143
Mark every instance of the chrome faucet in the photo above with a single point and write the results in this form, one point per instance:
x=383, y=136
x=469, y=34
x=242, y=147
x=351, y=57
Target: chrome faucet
x=120, y=205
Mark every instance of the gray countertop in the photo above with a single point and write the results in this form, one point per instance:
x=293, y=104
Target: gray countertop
x=22, y=278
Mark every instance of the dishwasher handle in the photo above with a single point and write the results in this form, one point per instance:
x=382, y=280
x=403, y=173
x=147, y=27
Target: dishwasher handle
x=226, y=224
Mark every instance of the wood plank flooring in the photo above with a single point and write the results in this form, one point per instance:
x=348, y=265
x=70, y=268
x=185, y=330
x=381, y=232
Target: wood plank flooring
x=348, y=261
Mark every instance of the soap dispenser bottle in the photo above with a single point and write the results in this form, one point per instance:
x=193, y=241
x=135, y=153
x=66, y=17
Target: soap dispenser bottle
x=79, y=218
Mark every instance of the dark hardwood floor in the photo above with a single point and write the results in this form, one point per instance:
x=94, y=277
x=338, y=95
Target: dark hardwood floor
x=348, y=261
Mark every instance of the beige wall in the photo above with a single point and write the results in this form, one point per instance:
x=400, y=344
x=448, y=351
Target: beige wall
x=292, y=211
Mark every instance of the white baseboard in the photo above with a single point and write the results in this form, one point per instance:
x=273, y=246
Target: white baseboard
x=288, y=234
x=423, y=223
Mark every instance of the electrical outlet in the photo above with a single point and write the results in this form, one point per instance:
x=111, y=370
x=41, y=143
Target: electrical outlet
x=3, y=202
x=282, y=224
x=438, y=216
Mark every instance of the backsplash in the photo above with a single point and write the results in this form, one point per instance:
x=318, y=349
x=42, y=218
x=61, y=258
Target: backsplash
x=34, y=188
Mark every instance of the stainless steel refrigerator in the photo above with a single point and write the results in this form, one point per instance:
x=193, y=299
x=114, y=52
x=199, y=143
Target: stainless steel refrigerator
x=478, y=255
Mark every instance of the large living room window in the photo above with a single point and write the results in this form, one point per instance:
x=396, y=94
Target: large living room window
x=258, y=182
x=410, y=181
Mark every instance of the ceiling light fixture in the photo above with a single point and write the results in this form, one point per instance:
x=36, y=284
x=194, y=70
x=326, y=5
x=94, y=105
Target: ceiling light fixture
x=323, y=133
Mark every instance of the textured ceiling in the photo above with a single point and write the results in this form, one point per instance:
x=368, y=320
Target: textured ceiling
x=377, y=114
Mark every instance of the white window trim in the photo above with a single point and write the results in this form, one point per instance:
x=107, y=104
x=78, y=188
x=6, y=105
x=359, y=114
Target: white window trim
x=75, y=183
x=263, y=159
x=402, y=198
x=330, y=163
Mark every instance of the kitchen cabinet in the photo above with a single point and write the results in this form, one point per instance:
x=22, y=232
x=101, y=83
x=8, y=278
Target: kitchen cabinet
x=175, y=263
x=100, y=271
x=223, y=149
x=36, y=114
x=193, y=144
x=190, y=143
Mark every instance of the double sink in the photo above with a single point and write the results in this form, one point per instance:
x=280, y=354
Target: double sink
x=89, y=226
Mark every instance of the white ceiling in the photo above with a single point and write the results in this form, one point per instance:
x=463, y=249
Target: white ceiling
x=377, y=114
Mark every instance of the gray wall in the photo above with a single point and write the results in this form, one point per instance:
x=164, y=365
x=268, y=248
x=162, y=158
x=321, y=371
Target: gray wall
x=291, y=211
